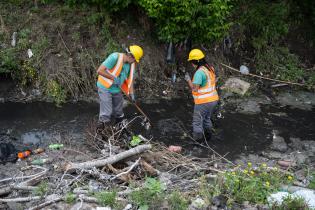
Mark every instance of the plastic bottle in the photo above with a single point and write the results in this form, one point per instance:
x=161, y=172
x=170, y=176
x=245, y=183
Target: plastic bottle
x=22, y=155
x=40, y=161
x=55, y=146
x=38, y=150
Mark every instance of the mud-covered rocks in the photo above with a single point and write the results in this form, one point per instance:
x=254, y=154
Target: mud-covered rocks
x=236, y=85
x=278, y=143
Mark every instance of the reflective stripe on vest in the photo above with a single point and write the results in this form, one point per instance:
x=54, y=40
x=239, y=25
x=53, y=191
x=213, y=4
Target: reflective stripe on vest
x=208, y=93
x=129, y=81
x=115, y=72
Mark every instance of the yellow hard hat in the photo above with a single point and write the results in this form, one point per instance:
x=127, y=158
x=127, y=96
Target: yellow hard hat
x=195, y=54
x=136, y=51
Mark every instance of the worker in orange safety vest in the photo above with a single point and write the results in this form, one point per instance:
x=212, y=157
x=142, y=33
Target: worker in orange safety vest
x=204, y=92
x=116, y=74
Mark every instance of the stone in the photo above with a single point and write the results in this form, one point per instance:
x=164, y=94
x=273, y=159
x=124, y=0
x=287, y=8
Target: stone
x=308, y=195
x=278, y=143
x=277, y=198
x=309, y=146
x=197, y=204
x=103, y=208
x=301, y=158
x=236, y=85
x=85, y=206
x=273, y=155
x=296, y=144
x=219, y=201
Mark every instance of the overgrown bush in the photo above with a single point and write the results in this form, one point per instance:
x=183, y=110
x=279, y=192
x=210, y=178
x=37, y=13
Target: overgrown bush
x=150, y=195
x=176, y=20
x=247, y=184
x=56, y=92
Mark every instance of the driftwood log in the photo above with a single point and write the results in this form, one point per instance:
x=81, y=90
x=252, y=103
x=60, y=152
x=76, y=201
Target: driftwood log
x=110, y=160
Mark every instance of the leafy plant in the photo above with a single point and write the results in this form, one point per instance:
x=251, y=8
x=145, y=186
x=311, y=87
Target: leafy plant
x=70, y=197
x=41, y=189
x=148, y=196
x=290, y=202
x=178, y=19
x=135, y=141
x=176, y=201
x=107, y=198
x=253, y=185
x=56, y=92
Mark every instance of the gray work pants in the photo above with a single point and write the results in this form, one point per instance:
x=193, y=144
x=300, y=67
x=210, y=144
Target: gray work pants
x=202, y=117
x=111, y=104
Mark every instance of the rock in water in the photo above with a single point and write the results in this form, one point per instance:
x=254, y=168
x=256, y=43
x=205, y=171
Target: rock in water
x=236, y=85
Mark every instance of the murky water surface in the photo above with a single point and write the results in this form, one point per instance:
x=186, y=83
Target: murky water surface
x=39, y=122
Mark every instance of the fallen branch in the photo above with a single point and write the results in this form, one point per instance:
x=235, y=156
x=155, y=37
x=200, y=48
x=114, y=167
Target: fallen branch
x=150, y=169
x=24, y=199
x=128, y=171
x=42, y=205
x=110, y=160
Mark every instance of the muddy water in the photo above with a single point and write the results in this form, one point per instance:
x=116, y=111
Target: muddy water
x=42, y=123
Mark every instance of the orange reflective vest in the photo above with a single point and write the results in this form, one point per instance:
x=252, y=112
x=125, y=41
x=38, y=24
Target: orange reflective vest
x=208, y=93
x=115, y=72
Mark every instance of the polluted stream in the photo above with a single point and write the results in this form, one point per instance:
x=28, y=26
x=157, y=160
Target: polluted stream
x=39, y=124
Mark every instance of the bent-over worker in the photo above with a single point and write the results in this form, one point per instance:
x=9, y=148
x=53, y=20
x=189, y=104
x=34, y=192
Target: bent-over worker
x=204, y=93
x=116, y=73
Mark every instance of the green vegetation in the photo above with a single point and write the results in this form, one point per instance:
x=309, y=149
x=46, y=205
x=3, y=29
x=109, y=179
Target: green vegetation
x=312, y=181
x=150, y=195
x=41, y=189
x=290, y=202
x=70, y=198
x=107, y=198
x=177, y=201
x=176, y=20
x=249, y=184
x=56, y=92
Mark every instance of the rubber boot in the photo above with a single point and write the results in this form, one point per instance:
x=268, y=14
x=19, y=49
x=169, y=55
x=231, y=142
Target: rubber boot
x=197, y=136
x=208, y=134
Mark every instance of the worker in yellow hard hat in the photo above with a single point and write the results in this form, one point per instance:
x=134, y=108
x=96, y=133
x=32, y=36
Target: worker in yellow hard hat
x=116, y=74
x=204, y=92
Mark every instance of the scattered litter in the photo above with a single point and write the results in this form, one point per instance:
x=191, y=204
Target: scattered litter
x=13, y=42
x=38, y=151
x=164, y=92
x=30, y=53
x=40, y=161
x=55, y=146
x=177, y=149
x=25, y=154
x=244, y=69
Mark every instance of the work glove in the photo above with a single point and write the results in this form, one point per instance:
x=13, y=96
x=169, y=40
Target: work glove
x=116, y=81
x=187, y=77
x=133, y=97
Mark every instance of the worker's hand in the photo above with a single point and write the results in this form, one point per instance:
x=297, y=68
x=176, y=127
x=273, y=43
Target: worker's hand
x=133, y=97
x=116, y=81
x=187, y=77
